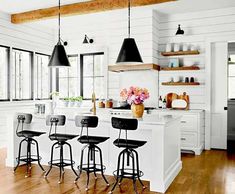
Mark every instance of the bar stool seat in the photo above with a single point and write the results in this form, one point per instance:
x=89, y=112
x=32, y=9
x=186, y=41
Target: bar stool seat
x=61, y=137
x=92, y=139
x=124, y=143
x=28, y=133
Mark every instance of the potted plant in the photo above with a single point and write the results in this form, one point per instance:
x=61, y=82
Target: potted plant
x=135, y=96
x=78, y=100
x=66, y=101
x=72, y=101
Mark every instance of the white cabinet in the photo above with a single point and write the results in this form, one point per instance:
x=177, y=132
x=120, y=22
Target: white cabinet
x=192, y=128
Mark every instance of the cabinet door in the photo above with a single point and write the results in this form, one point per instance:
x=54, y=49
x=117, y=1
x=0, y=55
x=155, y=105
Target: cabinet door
x=219, y=95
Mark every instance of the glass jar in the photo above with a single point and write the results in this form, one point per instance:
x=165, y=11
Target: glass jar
x=101, y=103
x=109, y=103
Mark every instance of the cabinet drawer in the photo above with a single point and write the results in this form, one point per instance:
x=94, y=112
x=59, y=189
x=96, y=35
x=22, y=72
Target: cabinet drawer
x=188, y=139
x=189, y=123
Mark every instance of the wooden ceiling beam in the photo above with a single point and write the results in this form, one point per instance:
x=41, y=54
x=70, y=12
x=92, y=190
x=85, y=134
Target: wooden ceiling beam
x=79, y=9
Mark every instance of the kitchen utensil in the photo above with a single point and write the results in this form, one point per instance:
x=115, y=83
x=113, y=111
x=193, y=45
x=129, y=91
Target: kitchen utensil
x=169, y=98
x=186, y=98
x=179, y=104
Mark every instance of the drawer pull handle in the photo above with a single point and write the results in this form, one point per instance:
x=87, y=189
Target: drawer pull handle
x=183, y=138
x=183, y=122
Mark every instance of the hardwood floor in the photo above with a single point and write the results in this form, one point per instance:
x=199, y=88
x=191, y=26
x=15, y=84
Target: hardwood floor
x=211, y=173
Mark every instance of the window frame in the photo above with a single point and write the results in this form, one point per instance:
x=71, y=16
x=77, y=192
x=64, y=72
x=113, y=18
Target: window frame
x=8, y=74
x=50, y=77
x=81, y=70
x=31, y=74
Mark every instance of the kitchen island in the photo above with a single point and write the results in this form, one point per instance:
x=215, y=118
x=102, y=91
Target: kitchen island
x=159, y=158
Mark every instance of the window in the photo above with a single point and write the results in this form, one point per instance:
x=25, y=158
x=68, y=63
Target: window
x=68, y=79
x=92, y=75
x=22, y=76
x=4, y=73
x=42, y=73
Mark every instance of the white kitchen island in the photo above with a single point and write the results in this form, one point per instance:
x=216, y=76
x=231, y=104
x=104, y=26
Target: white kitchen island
x=160, y=158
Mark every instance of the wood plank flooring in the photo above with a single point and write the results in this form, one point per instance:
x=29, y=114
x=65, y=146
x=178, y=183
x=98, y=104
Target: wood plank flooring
x=211, y=173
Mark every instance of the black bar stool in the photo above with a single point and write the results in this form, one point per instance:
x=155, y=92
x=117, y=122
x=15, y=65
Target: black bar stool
x=24, y=118
x=128, y=153
x=61, y=139
x=91, y=143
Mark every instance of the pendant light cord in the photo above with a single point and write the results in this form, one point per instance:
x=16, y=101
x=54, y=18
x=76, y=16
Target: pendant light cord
x=59, y=23
x=129, y=18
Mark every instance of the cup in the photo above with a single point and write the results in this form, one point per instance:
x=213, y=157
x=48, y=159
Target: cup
x=168, y=47
x=186, y=80
x=176, y=47
x=192, y=48
x=185, y=47
x=176, y=78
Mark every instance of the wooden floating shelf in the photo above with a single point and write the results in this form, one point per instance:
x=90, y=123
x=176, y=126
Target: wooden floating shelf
x=180, y=84
x=121, y=68
x=191, y=68
x=196, y=52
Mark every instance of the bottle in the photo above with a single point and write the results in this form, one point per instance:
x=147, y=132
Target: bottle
x=160, y=102
x=164, y=104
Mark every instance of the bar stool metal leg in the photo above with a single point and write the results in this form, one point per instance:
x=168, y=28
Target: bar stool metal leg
x=137, y=164
x=52, y=150
x=71, y=158
x=38, y=155
x=19, y=153
x=88, y=166
x=133, y=171
x=101, y=163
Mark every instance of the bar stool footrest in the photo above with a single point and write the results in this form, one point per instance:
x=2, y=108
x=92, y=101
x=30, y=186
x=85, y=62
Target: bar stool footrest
x=92, y=168
x=33, y=158
x=57, y=162
x=128, y=173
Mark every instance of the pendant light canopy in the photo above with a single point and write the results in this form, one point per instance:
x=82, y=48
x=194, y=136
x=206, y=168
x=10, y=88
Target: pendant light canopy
x=59, y=57
x=129, y=52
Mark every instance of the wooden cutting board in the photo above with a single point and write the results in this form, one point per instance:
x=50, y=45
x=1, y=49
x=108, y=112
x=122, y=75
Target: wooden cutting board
x=186, y=98
x=169, y=98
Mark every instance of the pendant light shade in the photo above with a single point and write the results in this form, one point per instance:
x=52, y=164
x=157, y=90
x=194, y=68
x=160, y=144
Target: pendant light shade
x=59, y=57
x=129, y=52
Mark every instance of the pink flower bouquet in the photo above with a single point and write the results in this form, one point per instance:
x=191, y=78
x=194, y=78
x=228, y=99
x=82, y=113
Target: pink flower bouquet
x=134, y=95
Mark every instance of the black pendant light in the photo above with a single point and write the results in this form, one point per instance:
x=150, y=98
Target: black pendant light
x=129, y=52
x=59, y=57
x=179, y=31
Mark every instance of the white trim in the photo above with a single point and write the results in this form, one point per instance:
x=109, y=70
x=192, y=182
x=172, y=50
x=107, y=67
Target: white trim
x=209, y=41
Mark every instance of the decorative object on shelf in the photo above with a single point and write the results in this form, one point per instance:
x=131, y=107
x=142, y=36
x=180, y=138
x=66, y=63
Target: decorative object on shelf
x=160, y=103
x=169, y=98
x=185, y=47
x=192, y=48
x=167, y=54
x=192, y=80
x=168, y=47
x=186, y=80
x=59, y=57
x=174, y=62
x=191, y=68
x=176, y=47
x=175, y=101
x=129, y=52
x=176, y=78
x=179, y=31
x=135, y=96
x=180, y=84
x=87, y=40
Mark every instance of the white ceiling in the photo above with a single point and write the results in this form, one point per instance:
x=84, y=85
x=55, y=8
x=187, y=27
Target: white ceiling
x=17, y=6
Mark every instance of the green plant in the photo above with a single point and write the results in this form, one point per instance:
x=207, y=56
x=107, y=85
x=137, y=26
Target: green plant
x=55, y=93
x=79, y=98
x=66, y=99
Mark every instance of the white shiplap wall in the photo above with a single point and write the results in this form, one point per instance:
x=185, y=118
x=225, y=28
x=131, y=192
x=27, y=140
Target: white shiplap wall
x=198, y=26
x=108, y=29
x=25, y=36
